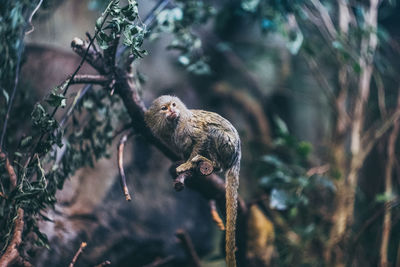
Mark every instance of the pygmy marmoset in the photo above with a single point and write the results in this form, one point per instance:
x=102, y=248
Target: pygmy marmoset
x=200, y=135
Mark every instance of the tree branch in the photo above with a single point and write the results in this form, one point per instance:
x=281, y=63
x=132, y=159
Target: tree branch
x=10, y=170
x=386, y=228
x=91, y=79
x=93, y=57
x=187, y=244
x=12, y=254
x=104, y=263
x=373, y=134
x=326, y=18
x=75, y=258
x=121, y=146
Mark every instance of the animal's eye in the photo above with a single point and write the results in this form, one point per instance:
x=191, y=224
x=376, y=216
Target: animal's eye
x=164, y=108
x=173, y=104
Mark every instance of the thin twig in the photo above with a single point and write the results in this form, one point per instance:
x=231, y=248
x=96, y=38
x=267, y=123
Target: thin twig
x=318, y=170
x=120, y=159
x=187, y=244
x=104, y=263
x=215, y=215
x=31, y=17
x=11, y=101
x=75, y=258
x=78, y=98
x=326, y=18
x=386, y=228
x=91, y=79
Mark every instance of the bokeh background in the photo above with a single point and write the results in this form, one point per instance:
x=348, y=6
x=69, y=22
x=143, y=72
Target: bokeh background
x=311, y=86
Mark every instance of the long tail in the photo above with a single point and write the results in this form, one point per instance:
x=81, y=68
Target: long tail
x=232, y=184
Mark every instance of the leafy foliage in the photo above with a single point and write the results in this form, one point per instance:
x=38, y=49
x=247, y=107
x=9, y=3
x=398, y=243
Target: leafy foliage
x=123, y=22
x=180, y=21
x=293, y=192
x=44, y=159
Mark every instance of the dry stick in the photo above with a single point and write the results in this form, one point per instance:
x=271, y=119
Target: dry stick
x=391, y=145
x=187, y=244
x=75, y=258
x=120, y=159
x=31, y=17
x=215, y=215
x=104, y=263
x=318, y=170
x=91, y=79
x=326, y=19
x=10, y=170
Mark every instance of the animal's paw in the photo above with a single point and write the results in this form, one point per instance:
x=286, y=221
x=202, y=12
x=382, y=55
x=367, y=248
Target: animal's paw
x=199, y=158
x=187, y=166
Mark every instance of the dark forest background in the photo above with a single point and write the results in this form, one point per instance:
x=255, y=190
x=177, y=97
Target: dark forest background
x=312, y=87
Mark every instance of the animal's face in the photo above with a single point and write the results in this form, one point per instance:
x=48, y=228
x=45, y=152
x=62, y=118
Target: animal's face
x=168, y=107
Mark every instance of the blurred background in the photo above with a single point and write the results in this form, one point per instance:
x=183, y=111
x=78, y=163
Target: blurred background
x=311, y=86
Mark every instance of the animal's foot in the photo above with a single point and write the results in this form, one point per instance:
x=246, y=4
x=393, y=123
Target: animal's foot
x=199, y=158
x=187, y=166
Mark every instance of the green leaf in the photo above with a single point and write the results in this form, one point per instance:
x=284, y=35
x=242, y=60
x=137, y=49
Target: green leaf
x=381, y=198
x=304, y=149
x=56, y=100
x=27, y=141
x=281, y=126
x=6, y=96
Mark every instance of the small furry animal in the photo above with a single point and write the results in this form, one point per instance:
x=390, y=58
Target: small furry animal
x=200, y=135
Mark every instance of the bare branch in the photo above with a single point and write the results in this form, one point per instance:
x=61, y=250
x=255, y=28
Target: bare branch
x=215, y=216
x=381, y=94
x=104, y=263
x=372, y=135
x=93, y=57
x=91, y=79
x=120, y=159
x=75, y=258
x=31, y=17
x=386, y=228
x=326, y=18
x=10, y=170
x=11, y=254
x=318, y=170
x=187, y=244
